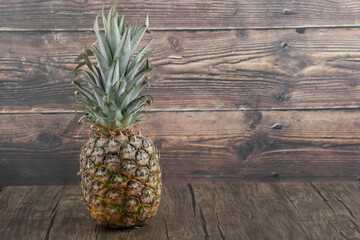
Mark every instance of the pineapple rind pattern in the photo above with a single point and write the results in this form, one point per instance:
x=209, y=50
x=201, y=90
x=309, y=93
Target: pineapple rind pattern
x=121, y=186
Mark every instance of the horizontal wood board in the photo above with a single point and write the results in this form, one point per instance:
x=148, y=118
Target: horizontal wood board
x=230, y=146
x=18, y=15
x=237, y=69
x=212, y=58
x=241, y=211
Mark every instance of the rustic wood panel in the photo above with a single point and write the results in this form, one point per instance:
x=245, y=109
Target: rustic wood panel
x=278, y=69
x=221, y=146
x=30, y=208
x=269, y=211
x=201, y=14
x=241, y=211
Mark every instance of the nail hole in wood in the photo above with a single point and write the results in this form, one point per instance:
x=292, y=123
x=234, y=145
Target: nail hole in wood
x=300, y=30
x=287, y=12
x=275, y=175
x=276, y=126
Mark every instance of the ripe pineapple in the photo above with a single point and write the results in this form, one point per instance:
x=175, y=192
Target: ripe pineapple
x=119, y=167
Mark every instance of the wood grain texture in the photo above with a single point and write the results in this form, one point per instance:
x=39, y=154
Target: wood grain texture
x=228, y=146
x=274, y=69
x=279, y=211
x=188, y=14
x=241, y=211
x=212, y=59
x=29, y=209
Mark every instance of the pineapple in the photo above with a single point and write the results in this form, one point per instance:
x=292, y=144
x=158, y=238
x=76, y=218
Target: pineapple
x=119, y=167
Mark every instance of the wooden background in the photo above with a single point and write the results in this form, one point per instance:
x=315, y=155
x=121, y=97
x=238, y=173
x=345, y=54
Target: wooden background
x=244, y=90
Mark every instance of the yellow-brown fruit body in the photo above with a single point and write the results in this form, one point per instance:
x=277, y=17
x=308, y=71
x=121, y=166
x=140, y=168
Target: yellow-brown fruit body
x=121, y=179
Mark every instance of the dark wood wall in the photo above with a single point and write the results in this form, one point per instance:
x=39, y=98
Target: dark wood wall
x=244, y=90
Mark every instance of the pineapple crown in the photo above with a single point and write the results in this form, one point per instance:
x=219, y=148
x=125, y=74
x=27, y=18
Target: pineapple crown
x=111, y=93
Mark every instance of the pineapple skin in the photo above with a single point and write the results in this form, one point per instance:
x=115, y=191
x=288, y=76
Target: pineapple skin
x=121, y=179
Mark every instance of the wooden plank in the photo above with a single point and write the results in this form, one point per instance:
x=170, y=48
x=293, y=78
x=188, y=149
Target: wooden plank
x=24, y=209
x=70, y=219
x=73, y=221
x=278, y=211
x=227, y=146
x=245, y=211
x=252, y=211
x=188, y=14
x=343, y=203
x=278, y=69
x=321, y=207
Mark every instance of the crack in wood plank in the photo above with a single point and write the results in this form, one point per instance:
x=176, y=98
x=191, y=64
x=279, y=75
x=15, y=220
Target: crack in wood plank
x=357, y=227
x=281, y=192
x=339, y=232
x=50, y=226
x=193, y=200
x=54, y=210
x=166, y=229
x=346, y=207
x=291, y=202
x=238, y=197
x=57, y=203
x=53, y=213
x=219, y=227
x=241, y=60
x=322, y=197
x=96, y=231
x=203, y=223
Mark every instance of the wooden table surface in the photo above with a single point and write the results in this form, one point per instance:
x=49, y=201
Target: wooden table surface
x=236, y=211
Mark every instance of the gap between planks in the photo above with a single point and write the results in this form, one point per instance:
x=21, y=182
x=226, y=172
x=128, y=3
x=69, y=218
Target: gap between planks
x=190, y=29
x=352, y=108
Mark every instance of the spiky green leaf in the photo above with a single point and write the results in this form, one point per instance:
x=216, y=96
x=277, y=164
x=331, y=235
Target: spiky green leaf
x=113, y=97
